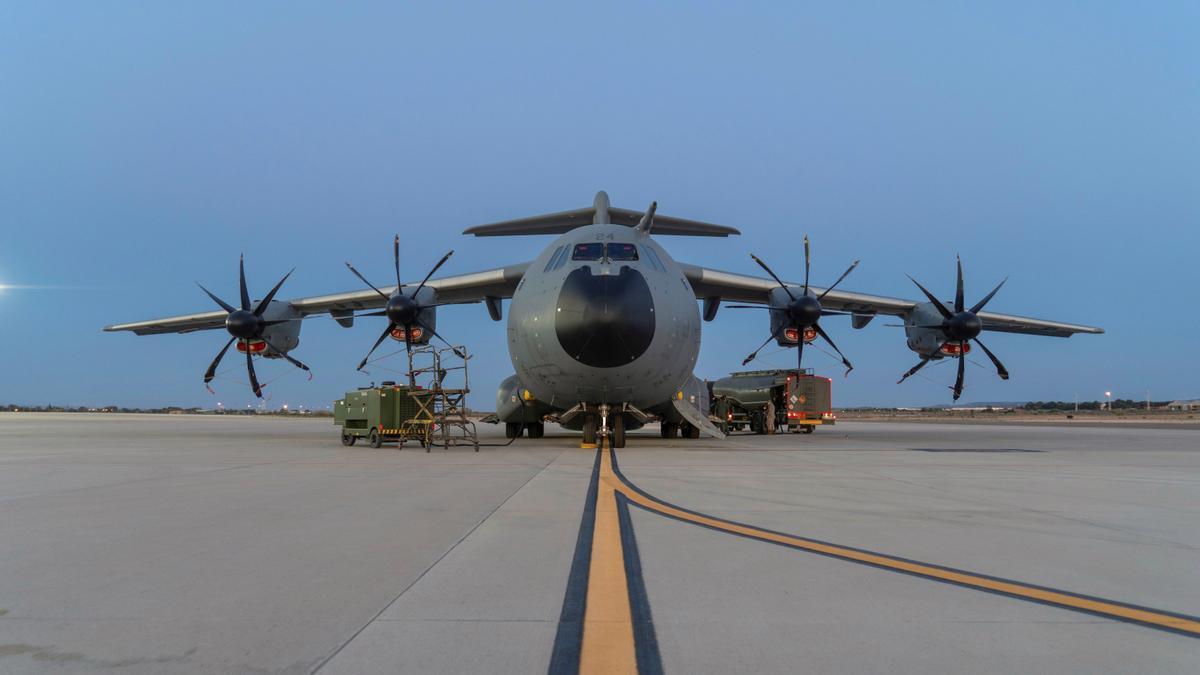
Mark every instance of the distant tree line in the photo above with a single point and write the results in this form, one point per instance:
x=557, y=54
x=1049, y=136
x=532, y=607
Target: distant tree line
x=166, y=410
x=1117, y=404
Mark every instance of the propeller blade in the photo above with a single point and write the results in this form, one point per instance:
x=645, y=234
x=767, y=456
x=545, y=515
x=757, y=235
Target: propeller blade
x=958, y=292
x=754, y=354
x=262, y=305
x=773, y=276
x=1000, y=369
x=396, y=257
x=242, y=283
x=987, y=298
x=800, y=355
x=253, y=378
x=839, y=280
x=431, y=273
x=936, y=303
x=364, y=280
x=924, y=360
x=285, y=355
x=212, y=367
x=383, y=336
x=224, y=305
x=962, y=366
x=749, y=307
x=408, y=339
x=845, y=361
x=807, y=264
x=457, y=353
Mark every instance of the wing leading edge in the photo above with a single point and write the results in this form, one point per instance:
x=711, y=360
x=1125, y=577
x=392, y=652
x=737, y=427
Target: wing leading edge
x=494, y=283
x=710, y=283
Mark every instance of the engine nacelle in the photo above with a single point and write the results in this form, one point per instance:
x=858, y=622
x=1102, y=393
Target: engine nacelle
x=788, y=335
x=284, y=336
x=929, y=341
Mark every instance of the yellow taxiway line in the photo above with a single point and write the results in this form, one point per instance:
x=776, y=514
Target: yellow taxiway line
x=608, y=645
x=1153, y=618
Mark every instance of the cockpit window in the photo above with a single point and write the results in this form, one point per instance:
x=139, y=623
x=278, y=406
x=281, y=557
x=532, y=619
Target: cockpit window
x=589, y=251
x=622, y=252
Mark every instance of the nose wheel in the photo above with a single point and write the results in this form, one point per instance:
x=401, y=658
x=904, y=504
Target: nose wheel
x=603, y=424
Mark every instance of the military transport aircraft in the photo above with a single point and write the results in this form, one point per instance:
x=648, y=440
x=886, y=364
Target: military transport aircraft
x=604, y=326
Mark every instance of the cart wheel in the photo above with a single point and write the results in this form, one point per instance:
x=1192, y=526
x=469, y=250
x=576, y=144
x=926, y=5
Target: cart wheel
x=348, y=438
x=376, y=440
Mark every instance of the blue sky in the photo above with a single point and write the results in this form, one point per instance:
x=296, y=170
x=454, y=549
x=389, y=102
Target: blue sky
x=144, y=146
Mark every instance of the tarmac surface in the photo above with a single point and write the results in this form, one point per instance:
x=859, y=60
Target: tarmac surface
x=184, y=544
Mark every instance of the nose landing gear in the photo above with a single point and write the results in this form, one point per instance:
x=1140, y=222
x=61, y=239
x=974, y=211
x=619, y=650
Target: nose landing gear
x=602, y=424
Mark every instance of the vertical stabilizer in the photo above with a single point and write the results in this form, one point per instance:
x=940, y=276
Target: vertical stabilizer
x=600, y=204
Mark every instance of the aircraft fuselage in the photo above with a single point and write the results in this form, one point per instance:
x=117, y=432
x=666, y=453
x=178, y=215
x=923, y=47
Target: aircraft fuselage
x=604, y=315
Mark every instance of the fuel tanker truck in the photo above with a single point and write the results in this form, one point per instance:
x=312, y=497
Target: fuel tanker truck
x=767, y=401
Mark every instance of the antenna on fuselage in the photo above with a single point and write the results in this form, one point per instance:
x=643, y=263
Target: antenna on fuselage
x=600, y=204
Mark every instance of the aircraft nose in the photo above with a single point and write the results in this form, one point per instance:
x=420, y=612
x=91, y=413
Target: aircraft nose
x=605, y=320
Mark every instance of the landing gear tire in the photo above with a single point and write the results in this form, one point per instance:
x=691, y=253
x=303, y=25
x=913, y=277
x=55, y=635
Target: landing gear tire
x=536, y=430
x=376, y=439
x=348, y=438
x=512, y=429
x=670, y=429
x=589, y=429
x=689, y=431
x=617, y=431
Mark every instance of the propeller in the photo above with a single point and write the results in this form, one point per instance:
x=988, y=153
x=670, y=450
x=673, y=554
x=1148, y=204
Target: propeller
x=404, y=310
x=246, y=323
x=960, y=326
x=802, y=312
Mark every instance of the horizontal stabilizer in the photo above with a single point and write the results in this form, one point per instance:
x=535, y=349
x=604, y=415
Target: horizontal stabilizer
x=565, y=221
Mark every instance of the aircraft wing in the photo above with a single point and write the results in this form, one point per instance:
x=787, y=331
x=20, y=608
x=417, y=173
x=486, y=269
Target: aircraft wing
x=494, y=283
x=710, y=283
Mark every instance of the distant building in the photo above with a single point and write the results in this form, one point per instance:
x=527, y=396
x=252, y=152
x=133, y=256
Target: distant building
x=1183, y=405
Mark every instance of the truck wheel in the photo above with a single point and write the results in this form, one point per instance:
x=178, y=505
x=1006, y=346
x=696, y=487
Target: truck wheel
x=618, y=431
x=376, y=439
x=348, y=438
x=589, y=428
x=512, y=430
x=808, y=429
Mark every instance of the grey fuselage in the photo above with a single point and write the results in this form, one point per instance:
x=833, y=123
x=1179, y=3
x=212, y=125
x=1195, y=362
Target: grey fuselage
x=604, y=331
